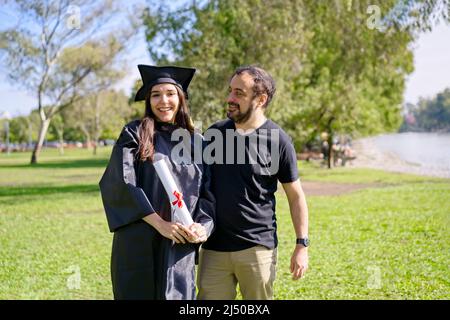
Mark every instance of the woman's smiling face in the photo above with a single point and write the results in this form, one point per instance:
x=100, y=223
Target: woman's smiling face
x=164, y=102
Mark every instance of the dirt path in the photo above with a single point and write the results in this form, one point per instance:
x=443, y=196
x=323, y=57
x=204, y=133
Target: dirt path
x=313, y=188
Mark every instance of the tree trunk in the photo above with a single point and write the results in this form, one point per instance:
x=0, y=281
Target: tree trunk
x=97, y=123
x=330, y=140
x=88, y=141
x=30, y=135
x=330, y=149
x=42, y=133
x=87, y=136
x=61, y=141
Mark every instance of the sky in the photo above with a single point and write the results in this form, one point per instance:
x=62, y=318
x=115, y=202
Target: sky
x=431, y=65
x=431, y=74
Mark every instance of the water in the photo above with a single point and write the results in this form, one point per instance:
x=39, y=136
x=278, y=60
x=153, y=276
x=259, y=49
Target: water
x=429, y=150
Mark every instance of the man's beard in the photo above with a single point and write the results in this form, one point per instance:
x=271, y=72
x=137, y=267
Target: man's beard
x=240, y=117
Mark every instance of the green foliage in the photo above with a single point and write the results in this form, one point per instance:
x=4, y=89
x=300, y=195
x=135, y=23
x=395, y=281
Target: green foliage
x=336, y=68
x=19, y=130
x=58, y=52
x=137, y=109
x=225, y=35
x=99, y=116
x=354, y=75
x=430, y=114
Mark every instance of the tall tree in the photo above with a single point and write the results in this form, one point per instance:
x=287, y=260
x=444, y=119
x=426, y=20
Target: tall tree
x=54, y=49
x=353, y=77
x=432, y=114
x=219, y=36
x=57, y=127
x=18, y=129
x=340, y=66
x=99, y=115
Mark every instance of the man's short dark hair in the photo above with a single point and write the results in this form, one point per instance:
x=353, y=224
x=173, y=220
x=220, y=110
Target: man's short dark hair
x=264, y=82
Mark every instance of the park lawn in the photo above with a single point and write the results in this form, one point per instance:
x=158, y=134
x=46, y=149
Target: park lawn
x=52, y=226
x=389, y=241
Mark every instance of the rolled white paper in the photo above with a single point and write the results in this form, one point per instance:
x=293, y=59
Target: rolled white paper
x=181, y=213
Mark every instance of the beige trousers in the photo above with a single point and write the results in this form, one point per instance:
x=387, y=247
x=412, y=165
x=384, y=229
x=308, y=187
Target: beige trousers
x=219, y=273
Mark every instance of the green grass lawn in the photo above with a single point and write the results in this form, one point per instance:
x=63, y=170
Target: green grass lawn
x=386, y=242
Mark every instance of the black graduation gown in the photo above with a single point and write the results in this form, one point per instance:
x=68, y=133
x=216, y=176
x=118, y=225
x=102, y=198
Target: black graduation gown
x=144, y=264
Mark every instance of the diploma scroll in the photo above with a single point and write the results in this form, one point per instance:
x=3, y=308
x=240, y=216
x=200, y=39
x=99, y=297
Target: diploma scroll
x=181, y=213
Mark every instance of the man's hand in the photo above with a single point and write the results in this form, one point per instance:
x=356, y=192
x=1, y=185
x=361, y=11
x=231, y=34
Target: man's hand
x=171, y=231
x=299, y=262
x=195, y=233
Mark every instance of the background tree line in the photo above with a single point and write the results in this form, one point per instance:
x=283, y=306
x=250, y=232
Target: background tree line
x=340, y=66
x=429, y=115
x=96, y=117
x=64, y=53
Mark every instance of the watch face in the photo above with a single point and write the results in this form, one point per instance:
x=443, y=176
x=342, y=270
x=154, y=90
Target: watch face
x=304, y=242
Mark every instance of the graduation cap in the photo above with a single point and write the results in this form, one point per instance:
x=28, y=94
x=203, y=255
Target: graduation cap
x=152, y=75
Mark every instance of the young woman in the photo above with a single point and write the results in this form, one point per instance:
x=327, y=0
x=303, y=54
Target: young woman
x=153, y=257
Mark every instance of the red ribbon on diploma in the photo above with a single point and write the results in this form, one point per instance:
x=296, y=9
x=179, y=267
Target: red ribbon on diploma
x=179, y=200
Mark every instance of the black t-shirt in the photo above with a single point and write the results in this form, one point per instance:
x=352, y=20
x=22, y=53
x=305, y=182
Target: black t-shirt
x=245, y=189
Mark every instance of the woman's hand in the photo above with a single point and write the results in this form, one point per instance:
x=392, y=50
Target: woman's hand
x=195, y=233
x=172, y=231
x=167, y=229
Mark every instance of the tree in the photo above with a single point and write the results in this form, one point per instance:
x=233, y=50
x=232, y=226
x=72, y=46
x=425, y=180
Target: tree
x=57, y=127
x=222, y=35
x=340, y=67
x=54, y=50
x=137, y=108
x=19, y=129
x=99, y=116
x=88, y=113
x=353, y=77
x=429, y=114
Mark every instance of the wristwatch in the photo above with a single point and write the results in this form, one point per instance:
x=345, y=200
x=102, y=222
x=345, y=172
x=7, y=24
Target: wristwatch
x=303, y=241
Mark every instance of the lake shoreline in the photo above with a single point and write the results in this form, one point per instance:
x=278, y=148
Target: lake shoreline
x=370, y=155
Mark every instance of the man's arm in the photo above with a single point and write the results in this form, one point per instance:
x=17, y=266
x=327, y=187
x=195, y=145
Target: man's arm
x=299, y=215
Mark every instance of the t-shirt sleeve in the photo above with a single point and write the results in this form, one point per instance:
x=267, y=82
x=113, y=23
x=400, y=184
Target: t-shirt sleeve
x=288, y=171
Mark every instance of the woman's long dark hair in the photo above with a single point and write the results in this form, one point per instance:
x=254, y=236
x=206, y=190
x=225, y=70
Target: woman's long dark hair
x=147, y=127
